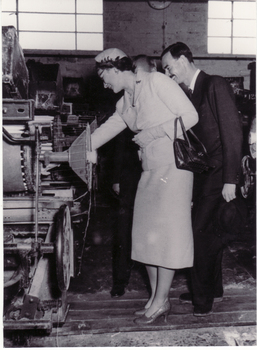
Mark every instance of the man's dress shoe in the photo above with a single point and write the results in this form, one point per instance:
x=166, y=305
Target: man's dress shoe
x=117, y=291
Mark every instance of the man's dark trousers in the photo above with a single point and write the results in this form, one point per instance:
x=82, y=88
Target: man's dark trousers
x=206, y=274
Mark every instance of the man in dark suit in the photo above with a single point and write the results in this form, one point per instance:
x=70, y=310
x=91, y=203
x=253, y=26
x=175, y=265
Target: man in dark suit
x=220, y=130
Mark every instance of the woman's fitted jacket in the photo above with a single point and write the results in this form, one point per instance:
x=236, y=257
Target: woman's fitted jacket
x=157, y=100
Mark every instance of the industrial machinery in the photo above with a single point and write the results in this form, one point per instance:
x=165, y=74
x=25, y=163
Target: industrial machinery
x=249, y=164
x=37, y=221
x=39, y=209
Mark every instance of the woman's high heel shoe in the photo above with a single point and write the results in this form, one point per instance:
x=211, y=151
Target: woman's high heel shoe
x=140, y=312
x=163, y=311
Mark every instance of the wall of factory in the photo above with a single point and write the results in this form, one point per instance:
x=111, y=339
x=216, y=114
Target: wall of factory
x=136, y=28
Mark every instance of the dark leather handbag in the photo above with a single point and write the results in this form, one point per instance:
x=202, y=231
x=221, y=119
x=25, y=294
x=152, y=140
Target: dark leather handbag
x=189, y=155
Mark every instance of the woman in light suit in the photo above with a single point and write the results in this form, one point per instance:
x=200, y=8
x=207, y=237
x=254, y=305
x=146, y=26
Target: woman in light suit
x=162, y=233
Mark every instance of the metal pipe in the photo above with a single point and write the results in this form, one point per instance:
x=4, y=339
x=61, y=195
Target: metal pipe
x=37, y=151
x=55, y=157
x=44, y=248
x=13, y=140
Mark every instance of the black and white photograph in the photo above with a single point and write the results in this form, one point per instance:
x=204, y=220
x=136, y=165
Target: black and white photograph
x=128, y=173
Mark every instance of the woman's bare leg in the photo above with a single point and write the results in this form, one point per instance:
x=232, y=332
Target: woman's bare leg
x=164, y=280
x=152, y=274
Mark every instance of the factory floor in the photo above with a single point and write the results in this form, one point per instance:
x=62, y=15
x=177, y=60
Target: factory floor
x=95, y=319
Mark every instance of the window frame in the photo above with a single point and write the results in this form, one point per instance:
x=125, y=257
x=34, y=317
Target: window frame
x=232, y=37
x=76, y=32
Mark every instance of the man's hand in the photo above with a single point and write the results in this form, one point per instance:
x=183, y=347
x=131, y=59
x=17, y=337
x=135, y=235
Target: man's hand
x=229, y=192
x=116, y=188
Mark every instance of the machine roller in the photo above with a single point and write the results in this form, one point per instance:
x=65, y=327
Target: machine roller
x=38, y=229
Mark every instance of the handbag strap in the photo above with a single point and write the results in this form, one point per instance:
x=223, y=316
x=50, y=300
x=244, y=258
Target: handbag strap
x=183, y=130
x=197, y=139
x=185, y=133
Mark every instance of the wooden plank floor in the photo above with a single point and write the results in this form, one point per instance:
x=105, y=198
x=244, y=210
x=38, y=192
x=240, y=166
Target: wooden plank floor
x=105, y=315
x=92, y=311
x=98, y=314
x=99, y=320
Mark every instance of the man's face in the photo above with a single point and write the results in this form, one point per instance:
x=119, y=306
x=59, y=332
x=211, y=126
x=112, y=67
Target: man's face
x=173, y=67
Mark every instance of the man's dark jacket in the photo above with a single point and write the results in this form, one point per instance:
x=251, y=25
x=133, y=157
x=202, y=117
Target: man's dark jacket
x=219, y=126
x=220, y=130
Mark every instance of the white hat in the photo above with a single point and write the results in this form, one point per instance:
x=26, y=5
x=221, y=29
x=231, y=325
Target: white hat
x=110, y=55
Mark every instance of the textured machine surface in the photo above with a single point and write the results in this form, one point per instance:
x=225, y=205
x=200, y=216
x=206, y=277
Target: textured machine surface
x=40, y=205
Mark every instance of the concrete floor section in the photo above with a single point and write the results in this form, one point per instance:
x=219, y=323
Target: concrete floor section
x=213, y=336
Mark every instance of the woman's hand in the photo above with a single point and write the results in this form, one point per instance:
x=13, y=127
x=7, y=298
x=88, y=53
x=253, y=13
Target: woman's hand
x=146, y=136
x=92, y=156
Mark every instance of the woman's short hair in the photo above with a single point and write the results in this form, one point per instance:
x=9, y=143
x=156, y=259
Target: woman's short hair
x=122, y=64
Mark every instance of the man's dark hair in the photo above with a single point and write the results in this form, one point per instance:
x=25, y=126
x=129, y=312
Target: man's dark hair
x=178, y=49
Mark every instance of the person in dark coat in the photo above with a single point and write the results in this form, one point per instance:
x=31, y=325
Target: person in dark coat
x=220, y=130
x=126, y=174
